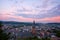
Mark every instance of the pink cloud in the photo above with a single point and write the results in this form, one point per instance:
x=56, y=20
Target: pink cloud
x=4, y=17
x=22, y=19
x=18, y=18
x=51, y=19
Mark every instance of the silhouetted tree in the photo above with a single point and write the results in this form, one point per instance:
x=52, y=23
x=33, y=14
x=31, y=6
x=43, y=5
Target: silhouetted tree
x=3, y=36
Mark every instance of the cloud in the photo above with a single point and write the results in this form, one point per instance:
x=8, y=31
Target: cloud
x=22, y=19
x=51, y=19
x=14, y=18
x=36, y=13
x=23, y=10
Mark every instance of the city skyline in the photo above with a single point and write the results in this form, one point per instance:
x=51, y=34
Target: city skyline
x=29, y=10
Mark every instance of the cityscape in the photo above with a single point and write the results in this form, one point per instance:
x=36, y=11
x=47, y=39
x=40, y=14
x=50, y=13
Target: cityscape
x=29, y=19
x=29, y=31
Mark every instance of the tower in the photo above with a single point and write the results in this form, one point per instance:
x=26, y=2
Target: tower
x=33, y=23
x=33, y=28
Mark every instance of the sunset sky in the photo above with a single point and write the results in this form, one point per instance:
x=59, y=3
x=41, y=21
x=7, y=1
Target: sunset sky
x=29, y=10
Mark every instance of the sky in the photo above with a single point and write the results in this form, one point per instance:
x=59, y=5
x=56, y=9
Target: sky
x=42, y=11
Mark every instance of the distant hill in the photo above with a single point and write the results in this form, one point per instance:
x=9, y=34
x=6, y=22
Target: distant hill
x=28, y=23
x=21, y=23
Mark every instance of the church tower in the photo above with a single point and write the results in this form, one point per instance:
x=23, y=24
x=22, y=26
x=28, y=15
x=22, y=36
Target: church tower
x=33, y=28
x=33, y=23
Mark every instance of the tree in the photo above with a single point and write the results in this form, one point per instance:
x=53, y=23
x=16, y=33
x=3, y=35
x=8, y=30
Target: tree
x=57, y=32
x=3, y=36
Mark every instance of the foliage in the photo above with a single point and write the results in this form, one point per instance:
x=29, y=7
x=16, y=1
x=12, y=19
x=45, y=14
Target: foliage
x=34, y=38
x=3, y=36
x=57, y=32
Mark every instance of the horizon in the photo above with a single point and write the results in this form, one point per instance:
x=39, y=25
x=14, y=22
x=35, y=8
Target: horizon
x=42, y=11
x=29, y=22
